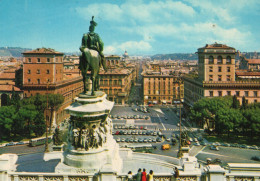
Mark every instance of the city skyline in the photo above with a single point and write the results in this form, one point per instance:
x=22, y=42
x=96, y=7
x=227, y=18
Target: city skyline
x=140, y=27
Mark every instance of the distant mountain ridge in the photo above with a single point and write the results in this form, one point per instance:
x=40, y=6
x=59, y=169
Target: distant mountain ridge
x=12, y=51
x=175, y=56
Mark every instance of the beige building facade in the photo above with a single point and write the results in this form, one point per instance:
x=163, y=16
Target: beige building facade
x=216, y=77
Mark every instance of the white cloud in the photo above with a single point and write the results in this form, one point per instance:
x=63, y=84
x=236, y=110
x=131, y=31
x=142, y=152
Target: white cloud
x=130, y=46
x=105, y=11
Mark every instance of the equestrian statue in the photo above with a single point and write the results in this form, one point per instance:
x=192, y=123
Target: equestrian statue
x=92, y=57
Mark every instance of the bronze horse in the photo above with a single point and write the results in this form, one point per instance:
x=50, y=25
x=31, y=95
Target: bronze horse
x=90, y=60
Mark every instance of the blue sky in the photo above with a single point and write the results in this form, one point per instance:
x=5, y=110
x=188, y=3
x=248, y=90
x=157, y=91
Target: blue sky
x=142, y=27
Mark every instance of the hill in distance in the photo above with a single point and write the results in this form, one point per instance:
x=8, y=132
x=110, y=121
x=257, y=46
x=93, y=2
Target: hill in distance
x=12, y=51
x=175, y=56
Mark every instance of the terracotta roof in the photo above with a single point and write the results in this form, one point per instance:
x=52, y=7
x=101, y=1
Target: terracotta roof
x=6, y=87
x=248, y=73
x=253, y=61
x=9, y=75
x=43, y=51
x=217, y=45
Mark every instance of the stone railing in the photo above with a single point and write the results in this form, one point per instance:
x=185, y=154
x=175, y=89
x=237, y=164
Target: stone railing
x=21, y=176
x=164, y=177
x=243, y=177
x=29, y=176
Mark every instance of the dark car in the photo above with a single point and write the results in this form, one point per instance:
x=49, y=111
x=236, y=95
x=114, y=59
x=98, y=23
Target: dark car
x=256, y=158
x=213, y=147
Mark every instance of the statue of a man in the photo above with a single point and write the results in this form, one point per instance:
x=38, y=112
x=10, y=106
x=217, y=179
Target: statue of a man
x=91, y=40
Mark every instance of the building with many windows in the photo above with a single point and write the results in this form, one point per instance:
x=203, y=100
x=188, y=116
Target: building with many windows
x=216, y=77
x=43, y=73
x=162, y=88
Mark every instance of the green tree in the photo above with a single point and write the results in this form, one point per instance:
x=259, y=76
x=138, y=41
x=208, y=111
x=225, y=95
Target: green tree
x=54, y=103
x=235, y=103
x=253, y=117
x=39, y=126
x=6, y=121
x=244, y=103
x=28, y=114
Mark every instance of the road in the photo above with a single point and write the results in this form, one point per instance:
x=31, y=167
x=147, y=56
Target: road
x=157, y=121
x=169, y=125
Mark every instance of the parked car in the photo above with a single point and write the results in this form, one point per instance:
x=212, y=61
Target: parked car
x=213, y=147
x=166, y=147
x=10, y=144
x=197, y=144
x=256, y=158
x=20, y=143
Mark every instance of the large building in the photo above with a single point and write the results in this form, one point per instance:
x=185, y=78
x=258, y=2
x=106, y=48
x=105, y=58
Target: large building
x=216, y=77
x=162, y=89
x=43, y=73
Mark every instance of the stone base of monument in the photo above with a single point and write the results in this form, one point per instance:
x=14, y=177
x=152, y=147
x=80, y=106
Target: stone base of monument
x=92, y=161
x=91, y=147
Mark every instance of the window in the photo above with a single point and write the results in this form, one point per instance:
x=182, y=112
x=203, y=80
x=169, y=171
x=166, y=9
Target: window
x=210, y=69
x=38, y=60
x=228, y=77
x=246, y=93
x=211, y=93
x=29, y=60
x=219, y=93
x=228, y=60
x=38, y=71
x=210, y=77
x=219, y=69
x=211, y=60
x=219, y=77
x=228, y=69
x=38, y=81
x=48, y=60
x=229, y=93
x=29, y=71
x=29, y=80
x=48, y=71
x=255, y=101
x=220, y=61
x=237, y=93
x=255, y=93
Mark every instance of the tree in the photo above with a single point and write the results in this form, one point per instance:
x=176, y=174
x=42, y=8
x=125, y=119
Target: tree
x=253, y=117
x=6, y=120
x=235, y=103
x=39, y=125
x=28, y=114
x=54, y=102
x=244, y=103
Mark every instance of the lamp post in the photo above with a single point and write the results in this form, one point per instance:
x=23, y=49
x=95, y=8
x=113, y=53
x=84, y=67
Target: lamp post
x=46, y=121
x=180, y=149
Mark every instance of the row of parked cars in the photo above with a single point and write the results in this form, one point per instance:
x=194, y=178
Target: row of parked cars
x=129, y=117
x=254, y=147
x=12, y=144
x=137, y=132
x=139, y=140
x=130, y=127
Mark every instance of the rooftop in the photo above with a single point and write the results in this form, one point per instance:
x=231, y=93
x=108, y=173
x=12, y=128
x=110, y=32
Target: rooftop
x=43, y=51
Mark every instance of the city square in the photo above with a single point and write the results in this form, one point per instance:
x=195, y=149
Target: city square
x=134, y=90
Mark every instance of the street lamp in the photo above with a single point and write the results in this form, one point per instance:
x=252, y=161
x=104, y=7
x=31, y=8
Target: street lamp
x=46, y=121
x=180, y=149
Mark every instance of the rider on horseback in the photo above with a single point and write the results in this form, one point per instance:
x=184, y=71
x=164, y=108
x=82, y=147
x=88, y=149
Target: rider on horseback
x=92, y=41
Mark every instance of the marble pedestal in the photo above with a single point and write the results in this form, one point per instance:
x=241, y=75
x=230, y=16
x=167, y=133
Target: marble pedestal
x=91, y=146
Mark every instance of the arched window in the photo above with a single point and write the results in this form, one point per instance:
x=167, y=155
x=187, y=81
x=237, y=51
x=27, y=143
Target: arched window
x=211, y=60
x=228, y=60
x=220, y=60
